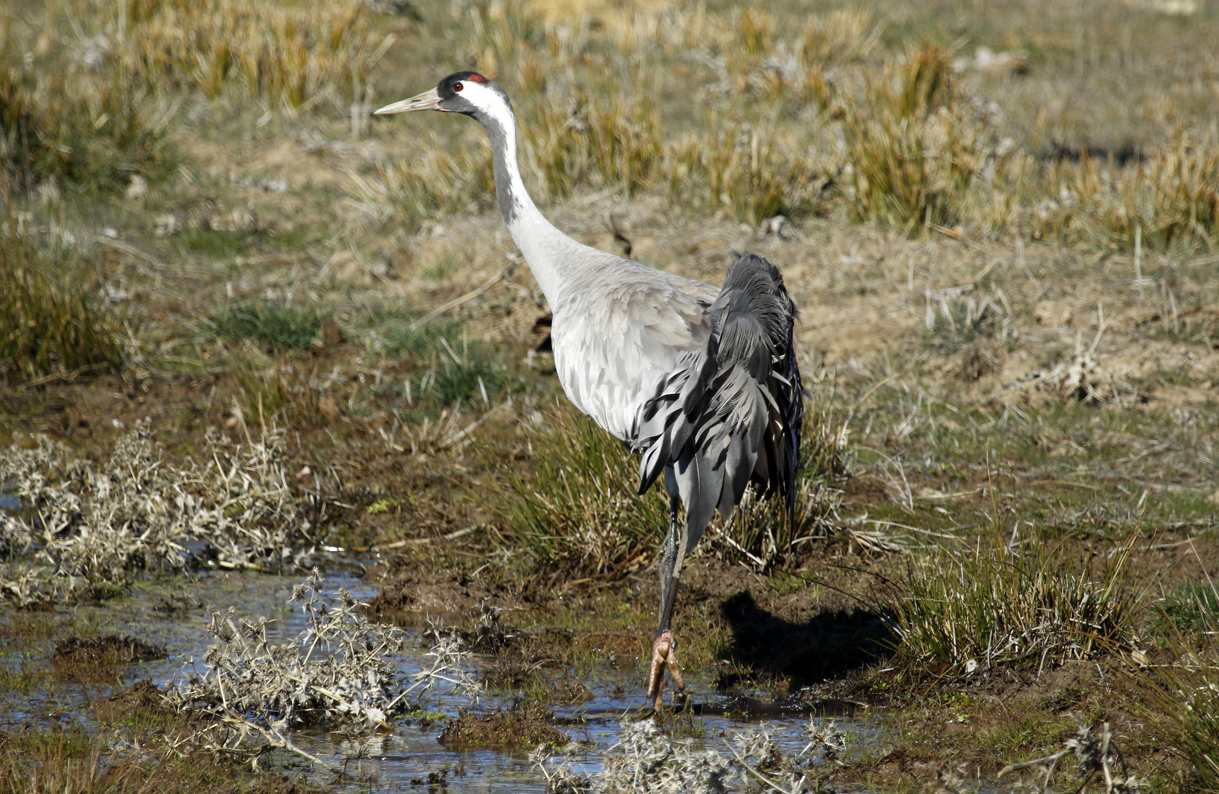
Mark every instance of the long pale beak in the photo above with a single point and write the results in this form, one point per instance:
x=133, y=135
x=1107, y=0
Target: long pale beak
x=428, y=100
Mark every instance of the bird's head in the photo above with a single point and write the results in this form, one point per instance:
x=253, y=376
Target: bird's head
x=463, y=92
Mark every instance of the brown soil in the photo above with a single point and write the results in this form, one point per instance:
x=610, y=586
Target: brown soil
x=98, y=657
x=518, y=729
x=141, y=700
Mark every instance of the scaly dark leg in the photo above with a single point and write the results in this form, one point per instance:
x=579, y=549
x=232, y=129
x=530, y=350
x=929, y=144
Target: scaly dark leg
x=664, y=648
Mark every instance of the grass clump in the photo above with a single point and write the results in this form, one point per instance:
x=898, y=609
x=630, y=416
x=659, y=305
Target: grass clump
x=1007, y=607
x=580, y=513
x=439, y=181
x=282, y=394
x=914, y=150
x=1169, y=198
x=49, y=323
x=454, y=374
x=743, y=168
x=964, y=321
x=592, y=142
x=1192, y=605
x=72, y=127
x=273, y=324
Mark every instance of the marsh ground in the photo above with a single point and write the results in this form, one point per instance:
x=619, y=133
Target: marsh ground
x=998, y=224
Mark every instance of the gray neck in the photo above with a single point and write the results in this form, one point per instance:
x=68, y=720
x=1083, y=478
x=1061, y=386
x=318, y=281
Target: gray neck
x=554, y=258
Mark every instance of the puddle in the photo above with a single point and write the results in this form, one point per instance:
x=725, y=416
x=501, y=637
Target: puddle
x=411, y=754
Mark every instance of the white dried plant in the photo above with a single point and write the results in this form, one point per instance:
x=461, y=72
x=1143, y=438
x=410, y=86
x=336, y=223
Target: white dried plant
x=82, y=531
x=338, y=669
x=646, y=760
x=1094, y=753
x=339, y=672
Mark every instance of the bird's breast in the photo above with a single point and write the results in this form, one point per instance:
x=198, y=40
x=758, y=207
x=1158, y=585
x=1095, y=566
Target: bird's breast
x=613, y=349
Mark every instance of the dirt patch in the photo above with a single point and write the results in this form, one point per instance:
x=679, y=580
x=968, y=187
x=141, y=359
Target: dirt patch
x=88, y=657
x=523, y=728
x=418, y=586
x=141, y=700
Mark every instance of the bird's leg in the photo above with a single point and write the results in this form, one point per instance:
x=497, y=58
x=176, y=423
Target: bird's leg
x=664, y=647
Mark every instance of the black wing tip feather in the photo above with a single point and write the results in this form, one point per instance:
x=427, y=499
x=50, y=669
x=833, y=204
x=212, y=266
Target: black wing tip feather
x=752, y=312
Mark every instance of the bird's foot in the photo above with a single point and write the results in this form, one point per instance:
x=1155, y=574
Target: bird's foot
x=664, y=654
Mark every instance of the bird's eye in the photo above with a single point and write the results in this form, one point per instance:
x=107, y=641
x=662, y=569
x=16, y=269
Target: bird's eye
x=458, y=86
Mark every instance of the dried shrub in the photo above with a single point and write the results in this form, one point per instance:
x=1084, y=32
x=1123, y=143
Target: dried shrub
x=83, y=532
x=338, y=672
x=647, y=760
x=1094, y=753
x=50, y=323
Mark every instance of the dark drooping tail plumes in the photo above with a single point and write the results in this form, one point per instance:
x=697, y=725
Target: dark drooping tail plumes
x=730, y=414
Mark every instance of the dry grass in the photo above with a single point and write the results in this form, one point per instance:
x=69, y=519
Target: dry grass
x=746, y=169
x=1169, y=199
x=913, y=148
x=590, y=141
x=296, y=55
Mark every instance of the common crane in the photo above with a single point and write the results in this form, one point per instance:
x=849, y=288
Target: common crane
x=701, y=381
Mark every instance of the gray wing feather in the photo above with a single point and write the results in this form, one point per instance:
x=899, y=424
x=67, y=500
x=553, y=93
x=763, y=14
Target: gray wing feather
x=729, y=412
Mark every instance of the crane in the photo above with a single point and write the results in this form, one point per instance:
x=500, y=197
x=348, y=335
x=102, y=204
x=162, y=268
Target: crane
x=701, y=382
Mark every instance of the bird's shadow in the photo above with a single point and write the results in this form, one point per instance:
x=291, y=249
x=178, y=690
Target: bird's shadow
x=829, y=645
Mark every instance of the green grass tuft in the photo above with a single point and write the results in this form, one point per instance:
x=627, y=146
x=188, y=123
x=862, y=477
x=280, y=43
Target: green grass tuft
x=278, y=326
x=1192, y=606
x=1005, y=607
x=579, y=513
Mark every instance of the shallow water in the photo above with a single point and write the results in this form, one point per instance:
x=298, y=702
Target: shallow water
x=409, y=755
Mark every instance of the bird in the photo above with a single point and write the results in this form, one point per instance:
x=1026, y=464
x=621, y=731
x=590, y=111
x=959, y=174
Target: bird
x=701, y=381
